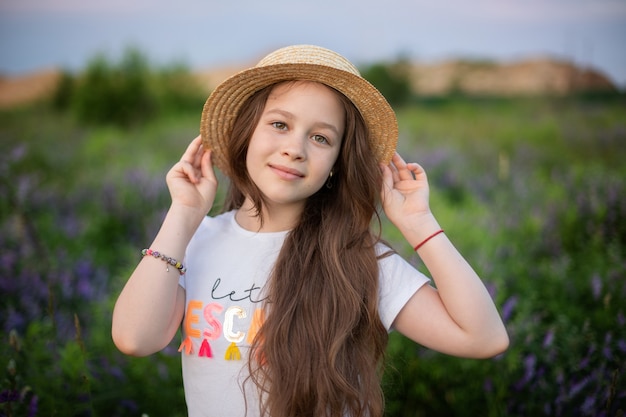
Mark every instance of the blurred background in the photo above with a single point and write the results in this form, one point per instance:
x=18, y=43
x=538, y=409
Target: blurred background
x=517, y=110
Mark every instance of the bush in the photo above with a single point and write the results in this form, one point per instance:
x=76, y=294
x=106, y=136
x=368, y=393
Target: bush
x=127, y=93
x=392, y=80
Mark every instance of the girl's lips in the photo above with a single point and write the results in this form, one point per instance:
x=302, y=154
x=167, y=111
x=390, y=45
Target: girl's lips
x=286, y=172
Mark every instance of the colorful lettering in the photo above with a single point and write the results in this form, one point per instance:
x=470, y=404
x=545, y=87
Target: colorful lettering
x=205, y=349
x=186, y=346
x=257, y=321
x=216, y=327
x=191, y=318
x=229, y=334
x=232, y=353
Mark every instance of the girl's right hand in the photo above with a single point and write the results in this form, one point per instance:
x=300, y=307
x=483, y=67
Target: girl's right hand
x=192, y=181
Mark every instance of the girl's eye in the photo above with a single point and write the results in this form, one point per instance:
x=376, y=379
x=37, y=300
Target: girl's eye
x=279, y=125
x=320, y=139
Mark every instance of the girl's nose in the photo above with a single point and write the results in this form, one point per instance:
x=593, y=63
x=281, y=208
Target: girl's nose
x=294, y=146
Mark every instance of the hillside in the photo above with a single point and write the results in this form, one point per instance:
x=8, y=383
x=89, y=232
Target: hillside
x=15, y=91
x=537, y=76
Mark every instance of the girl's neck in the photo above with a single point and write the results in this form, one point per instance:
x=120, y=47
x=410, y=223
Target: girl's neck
x=276, y=218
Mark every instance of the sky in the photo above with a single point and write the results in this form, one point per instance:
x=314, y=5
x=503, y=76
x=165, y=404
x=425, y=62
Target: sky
x=41, y=34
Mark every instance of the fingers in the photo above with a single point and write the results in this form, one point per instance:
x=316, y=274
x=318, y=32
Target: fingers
x=192, y=151
x=206, y=168
x=195, y=163
x=191, y=172
x=417, y=170
x=402, y=170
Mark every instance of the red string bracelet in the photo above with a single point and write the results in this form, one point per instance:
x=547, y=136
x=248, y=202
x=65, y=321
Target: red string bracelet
x=427, y=239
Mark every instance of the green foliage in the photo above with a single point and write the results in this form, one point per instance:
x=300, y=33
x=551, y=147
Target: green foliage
x=116, y=93
x=67, y=242
x=392, y=80
x=542, y=219
x=533, y=192
x=128, y=92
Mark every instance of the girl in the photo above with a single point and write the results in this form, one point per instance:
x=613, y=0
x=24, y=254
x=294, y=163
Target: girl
x=286, y=298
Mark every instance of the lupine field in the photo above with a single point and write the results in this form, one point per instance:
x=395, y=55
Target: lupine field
x=532, y=191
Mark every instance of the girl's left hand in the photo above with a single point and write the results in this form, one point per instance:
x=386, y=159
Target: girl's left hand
x=405, y=191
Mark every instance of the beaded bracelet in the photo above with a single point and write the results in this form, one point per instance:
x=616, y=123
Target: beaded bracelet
x=427, y=239
x=166, y=259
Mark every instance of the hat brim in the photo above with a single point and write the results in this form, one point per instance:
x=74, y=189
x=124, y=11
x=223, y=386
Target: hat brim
x=224, y=103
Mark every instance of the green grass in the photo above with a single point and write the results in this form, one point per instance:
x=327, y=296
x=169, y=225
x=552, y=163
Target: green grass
x=532, y=191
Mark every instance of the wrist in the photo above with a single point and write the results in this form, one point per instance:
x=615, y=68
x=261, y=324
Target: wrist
x=418, y=229
x=179, y=226
x=425, y=241
x=189, y=214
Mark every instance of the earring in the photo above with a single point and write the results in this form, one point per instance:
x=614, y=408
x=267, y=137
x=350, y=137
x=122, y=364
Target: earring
x=329, y=183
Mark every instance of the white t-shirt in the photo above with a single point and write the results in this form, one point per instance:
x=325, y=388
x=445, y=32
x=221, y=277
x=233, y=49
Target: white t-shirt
x=227, y=267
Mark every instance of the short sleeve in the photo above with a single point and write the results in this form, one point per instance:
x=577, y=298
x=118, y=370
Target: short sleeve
x=398, y=282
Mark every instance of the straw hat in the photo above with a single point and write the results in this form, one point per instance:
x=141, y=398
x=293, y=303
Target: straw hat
x=299, y=62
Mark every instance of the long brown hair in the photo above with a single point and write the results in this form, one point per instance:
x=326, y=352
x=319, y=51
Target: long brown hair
x=320, y=349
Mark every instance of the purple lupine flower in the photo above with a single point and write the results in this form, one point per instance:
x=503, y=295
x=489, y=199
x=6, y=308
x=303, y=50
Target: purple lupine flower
x=488, y=385
x=529, y=362
x=540, y=372
x=596, y=286
x=13, y=320
x=64, y=278
x=9, y=396
x=8, y=260
x=589, y=405
x=548, y=339
x=17, y=153
x=25, y=186
x=33, y=406
x=129, y=405
x=584, y=362
x=116, y=372
x=577, y=387
x=508, y=307
x=84, y=285
x=529, y=366
x=606, y=350
x=71, y=226
x=149, y=186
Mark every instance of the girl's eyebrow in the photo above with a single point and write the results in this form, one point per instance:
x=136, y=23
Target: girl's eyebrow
x=288, y=115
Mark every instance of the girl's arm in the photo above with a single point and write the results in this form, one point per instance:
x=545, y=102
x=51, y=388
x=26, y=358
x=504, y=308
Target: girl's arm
x=459, y=317
x=150, y=308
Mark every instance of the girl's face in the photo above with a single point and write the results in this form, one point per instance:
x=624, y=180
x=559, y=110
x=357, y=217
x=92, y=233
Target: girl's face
x=296, y=142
